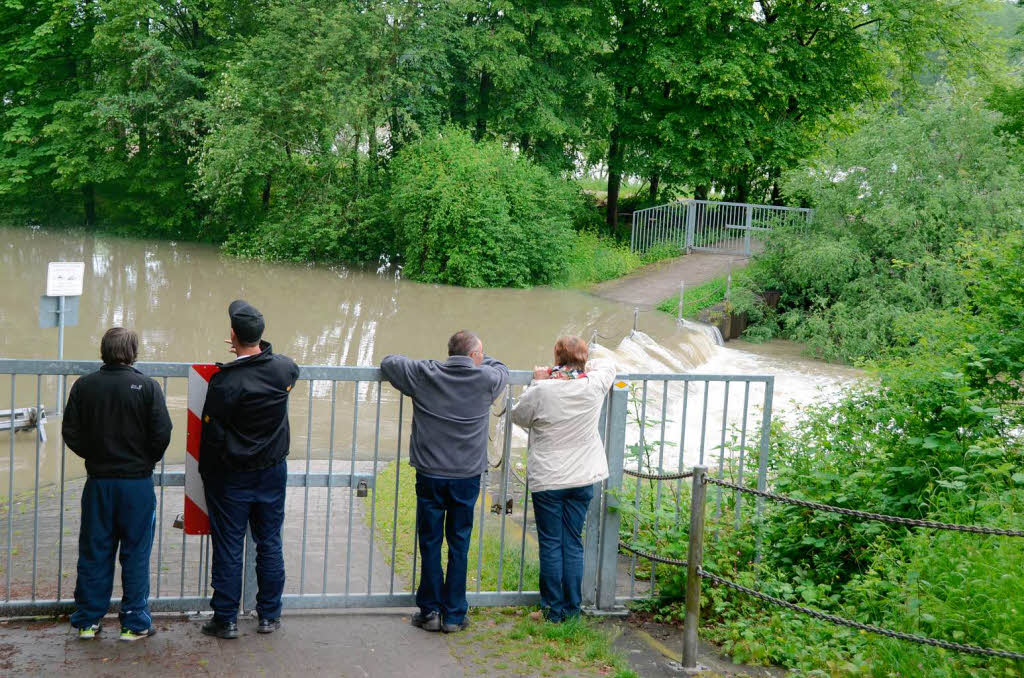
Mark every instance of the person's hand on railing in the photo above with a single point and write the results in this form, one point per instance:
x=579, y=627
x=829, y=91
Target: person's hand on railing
x=540, y=373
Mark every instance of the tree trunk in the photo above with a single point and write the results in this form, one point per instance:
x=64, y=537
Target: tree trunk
x=776, y=193
x=615, y=155
x=655, y=180
x=742, y=191
x=89, y=203
x=483, y=105
x=700, y=192
x=266, y=193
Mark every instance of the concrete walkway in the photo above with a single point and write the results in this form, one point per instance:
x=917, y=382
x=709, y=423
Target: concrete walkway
x=381, y=643
x=648, y=286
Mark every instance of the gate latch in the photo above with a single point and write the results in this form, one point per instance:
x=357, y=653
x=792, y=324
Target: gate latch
x=361, y=488
x=496, y=508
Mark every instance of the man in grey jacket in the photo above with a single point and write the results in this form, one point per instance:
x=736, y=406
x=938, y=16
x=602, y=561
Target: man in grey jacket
x=448, y=449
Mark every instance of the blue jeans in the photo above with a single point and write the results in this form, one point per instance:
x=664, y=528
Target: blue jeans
x=115, y=512
x=560, y=515
x=237, y=500
x=444, y=509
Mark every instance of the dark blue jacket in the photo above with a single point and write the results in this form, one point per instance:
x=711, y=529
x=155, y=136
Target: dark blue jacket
x=116, y=420
x=451, y=411
x=245, y=418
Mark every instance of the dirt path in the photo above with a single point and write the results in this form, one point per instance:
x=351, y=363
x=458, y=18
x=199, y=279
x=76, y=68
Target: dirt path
x=648, y=286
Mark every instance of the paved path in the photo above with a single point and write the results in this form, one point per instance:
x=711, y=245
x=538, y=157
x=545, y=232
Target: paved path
x=351, y=644
x=648, y=286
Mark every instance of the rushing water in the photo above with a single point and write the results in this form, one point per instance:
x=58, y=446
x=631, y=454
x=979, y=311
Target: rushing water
x=176, y=295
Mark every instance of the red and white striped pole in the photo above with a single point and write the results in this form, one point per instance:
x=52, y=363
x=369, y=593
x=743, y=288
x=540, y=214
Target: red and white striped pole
x=197, y=518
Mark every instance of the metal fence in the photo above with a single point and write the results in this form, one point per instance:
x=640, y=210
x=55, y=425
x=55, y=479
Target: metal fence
x=348, y=539
x=712, y=226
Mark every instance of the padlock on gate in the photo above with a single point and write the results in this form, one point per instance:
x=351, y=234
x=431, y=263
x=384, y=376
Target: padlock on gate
x=179, y=521
x=361, y=488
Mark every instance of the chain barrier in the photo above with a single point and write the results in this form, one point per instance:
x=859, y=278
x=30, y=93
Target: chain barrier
x=881, y=517
x=655, y=476
x=842, y=621
x=651, y=556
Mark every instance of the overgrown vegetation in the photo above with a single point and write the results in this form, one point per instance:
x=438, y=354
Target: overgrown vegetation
x=915, y=266
x=509, y=642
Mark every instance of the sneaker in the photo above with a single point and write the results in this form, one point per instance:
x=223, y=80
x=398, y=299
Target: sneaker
x=128, y=634
x=88, y=632
x=430, y=621
x=268, y=625
x=455, y=628
x=225, y=630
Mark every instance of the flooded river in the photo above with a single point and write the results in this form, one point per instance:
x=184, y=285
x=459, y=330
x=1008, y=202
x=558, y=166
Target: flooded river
x=176, y=295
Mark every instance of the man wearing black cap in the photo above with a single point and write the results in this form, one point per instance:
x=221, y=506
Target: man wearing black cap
x=242, y=462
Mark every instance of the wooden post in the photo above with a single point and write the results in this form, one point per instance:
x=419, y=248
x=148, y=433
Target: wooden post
x=694, y=560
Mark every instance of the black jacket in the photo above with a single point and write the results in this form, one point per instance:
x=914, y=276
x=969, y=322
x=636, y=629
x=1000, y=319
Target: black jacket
x=116, y=420
x=245, y=419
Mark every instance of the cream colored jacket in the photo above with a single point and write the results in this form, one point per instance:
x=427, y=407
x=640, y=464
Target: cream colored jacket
x=562, y=416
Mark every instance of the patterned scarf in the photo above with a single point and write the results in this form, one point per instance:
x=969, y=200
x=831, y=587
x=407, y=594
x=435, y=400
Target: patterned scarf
x=561, y=372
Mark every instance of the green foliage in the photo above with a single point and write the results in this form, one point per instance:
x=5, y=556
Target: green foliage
x=897, y=205
x=595, y=258
x=477, y=214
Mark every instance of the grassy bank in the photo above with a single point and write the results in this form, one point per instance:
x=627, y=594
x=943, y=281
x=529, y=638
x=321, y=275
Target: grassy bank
x=384, y=525
x=697, y=298
x=595, y=258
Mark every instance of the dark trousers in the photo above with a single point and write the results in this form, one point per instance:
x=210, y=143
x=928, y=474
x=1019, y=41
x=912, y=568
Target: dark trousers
x=560, y=515
x=116, y=512
x=237, y=500
x=444, y=510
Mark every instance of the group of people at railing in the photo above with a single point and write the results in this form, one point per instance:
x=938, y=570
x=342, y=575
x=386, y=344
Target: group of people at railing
x=116, y=419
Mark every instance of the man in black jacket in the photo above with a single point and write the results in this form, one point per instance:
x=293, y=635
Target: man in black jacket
x=116, y=420
x=242, y=461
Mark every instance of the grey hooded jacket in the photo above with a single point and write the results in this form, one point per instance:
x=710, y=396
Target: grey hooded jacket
x=451, y=411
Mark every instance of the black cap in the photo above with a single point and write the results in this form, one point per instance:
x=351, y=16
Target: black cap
x=246, y=321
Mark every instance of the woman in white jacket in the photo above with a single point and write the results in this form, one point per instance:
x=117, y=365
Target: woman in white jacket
x=561, y=409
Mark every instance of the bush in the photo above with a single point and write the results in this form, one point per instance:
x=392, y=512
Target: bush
x=479, y=215
x=899, y=204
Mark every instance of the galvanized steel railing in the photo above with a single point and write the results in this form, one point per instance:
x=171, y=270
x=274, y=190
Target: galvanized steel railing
x=335, y=555
x=711, y=225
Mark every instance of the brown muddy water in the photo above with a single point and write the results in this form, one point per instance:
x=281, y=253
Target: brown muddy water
x=176, y=295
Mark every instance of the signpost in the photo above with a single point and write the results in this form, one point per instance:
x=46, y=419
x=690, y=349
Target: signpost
x=63, y=279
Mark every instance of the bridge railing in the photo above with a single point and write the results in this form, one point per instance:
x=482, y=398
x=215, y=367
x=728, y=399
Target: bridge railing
x=346, y=541
x=712, y=225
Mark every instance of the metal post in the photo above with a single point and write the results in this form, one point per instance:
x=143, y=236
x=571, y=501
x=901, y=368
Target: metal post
x=728, y=283
x=762, y=467
x=592, y=528
x=60, y=353
x=694, y=560
x=249, y=574
x=616, y=449
x=746, y=229
x=682, y=291
x=691, y=223
x=636, y=317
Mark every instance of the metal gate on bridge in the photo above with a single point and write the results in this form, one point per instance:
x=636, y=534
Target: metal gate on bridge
x=349, y=530
x=712, y=226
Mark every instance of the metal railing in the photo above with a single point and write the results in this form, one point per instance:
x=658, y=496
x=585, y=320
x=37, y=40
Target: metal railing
x=712, y=226
x=345, y=541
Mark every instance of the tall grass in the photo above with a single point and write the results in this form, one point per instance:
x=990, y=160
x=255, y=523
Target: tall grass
x=406, y=529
